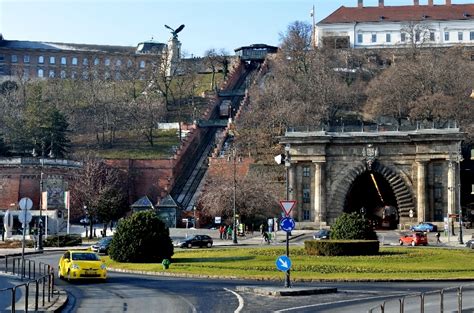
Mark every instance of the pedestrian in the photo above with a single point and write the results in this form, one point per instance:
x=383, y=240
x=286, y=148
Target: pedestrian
x=221, y=231
x=229, y=232
x=437, y=237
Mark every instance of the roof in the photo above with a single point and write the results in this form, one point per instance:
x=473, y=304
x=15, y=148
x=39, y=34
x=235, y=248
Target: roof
x=143, y=202
x=258, y=46
x=405, y=13
x=58, y=46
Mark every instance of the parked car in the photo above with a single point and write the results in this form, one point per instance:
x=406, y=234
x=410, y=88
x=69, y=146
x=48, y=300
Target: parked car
x=414, y=239
x=81, y=265
x=425, y=227
x=322, y=234
x=195, y=241
x=102, y=246
x=470, y=244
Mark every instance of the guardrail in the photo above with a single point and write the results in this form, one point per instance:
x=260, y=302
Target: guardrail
x=27, y=269
x=399, y=304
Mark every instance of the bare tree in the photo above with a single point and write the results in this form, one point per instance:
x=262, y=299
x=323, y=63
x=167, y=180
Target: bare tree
x=417, y=34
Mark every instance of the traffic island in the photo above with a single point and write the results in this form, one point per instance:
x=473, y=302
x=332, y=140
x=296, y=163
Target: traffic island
x=283, y=292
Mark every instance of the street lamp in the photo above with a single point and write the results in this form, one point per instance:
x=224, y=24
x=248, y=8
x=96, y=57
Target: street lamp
x=234, y=230
x=39, y=246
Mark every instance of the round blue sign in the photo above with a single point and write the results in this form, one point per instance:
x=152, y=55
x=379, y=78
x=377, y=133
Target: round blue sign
x=283, y=263
x=287, y=224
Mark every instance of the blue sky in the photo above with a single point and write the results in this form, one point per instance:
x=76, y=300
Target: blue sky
x=219, y=24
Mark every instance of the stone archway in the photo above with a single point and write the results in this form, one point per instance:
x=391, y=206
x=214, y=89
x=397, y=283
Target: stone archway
x=401, y=192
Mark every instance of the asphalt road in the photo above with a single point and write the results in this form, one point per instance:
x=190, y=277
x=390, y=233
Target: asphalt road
x=134, y=293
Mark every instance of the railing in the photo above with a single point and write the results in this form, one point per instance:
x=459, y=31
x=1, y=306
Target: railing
x=375, y=128
x=27, y=269
x=419, y=300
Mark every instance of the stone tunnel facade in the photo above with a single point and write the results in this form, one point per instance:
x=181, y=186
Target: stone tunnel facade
x=416, y=173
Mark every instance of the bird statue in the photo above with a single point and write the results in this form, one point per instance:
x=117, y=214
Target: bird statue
x=175, y=32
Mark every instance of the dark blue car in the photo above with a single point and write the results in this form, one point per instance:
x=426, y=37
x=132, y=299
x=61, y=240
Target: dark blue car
x=425, y=227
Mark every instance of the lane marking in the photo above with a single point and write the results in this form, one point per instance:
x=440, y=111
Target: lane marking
x=189, y=303
x=330, y=303
x=241, y=300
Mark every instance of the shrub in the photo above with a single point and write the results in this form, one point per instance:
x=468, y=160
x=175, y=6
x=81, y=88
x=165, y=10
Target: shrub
x=63, y=240
x=140, y=238
x=352, y=226
x=341, y=247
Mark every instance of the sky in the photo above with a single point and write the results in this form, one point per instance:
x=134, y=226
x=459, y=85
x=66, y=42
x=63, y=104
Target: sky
x=217, y=24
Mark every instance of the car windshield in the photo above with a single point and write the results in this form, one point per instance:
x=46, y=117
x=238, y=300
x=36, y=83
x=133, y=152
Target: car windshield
x=105, y=240
x=84, y=256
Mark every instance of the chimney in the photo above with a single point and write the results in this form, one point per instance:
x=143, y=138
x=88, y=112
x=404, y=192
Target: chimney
x=416, y=2
x=430, y=3
x=448, y=2
x=381, y=5
x=360, y=3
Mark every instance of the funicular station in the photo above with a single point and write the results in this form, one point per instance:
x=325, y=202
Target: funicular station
x=393, y=176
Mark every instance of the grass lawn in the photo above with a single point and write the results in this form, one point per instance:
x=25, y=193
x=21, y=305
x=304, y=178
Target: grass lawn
x=405, y=263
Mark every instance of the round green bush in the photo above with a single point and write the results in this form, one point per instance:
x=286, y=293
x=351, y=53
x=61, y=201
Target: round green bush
x=141, y=238
x=352, y=226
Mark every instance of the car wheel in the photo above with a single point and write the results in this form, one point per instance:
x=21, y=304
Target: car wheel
x=400, y=242
x=209, y=244
x=190, y=245
x=413, y=243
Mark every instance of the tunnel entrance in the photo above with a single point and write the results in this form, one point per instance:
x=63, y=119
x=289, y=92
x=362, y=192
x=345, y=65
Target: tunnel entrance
x=371, y=195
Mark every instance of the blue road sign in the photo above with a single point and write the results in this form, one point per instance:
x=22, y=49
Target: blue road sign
x=283, y=263
x=287, y=224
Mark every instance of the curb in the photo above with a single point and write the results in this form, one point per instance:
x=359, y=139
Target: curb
x=57, y=305
x=281, y=292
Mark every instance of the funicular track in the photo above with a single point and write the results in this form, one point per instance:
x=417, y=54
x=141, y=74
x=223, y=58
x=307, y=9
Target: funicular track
x=188, y=183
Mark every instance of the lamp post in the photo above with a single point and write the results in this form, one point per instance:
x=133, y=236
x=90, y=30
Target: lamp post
x=287, y=183
x=234, y=230
x=39, y=246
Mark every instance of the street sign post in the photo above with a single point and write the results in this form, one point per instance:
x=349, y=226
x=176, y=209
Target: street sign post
x=287, y=224
x=283, y=263
x=25, y=217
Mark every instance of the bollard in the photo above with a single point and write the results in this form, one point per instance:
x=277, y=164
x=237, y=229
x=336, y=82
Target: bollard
x=460, y=299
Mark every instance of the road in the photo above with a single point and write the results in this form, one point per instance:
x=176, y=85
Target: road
x=134, y=293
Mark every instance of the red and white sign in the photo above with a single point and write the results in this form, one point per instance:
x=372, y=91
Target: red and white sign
x=287, y=206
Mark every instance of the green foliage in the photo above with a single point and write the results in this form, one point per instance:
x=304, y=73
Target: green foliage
x=341, y=247
x=62, y=241
x=142, y=237
x=352, y=226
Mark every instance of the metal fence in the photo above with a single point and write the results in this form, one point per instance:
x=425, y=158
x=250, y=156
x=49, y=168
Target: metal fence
x=444, y=300
x=37, y=290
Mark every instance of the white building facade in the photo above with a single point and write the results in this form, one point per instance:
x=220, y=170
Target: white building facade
x=397, y=26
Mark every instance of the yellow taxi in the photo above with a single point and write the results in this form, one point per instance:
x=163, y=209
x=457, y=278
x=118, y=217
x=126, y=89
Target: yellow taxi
x=81, y=265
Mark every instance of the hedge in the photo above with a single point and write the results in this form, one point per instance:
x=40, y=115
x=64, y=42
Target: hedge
x=341, y=247
x=63, y=241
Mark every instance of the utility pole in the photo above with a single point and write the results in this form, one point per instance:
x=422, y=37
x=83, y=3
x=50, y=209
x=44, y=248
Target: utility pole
x=287, y=183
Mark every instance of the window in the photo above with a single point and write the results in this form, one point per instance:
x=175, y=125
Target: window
x=471, y=35
x=41, y=59
x=403, y=37
x=85, y=61
x=52, y=60
x=14, y=58
x=107, y=75
x=96, y=61
x=306, y=194
x=446, y=36
x=40, y=73
x=117, y=76
x=359, y=38
x=388, y=38
x=63, y=60
x=306, y=171
x=85, y=75
x=374, y=37
x=26, y=59
x=107, y=62
x=129, y=63
x=51, y=73
x=74, y=61
x=142, y=64
x=63, y=74
x=306, y=216
x=460, y=36
x=432, y=36
x=73, y=74
x=417, y=37
x=118, y=63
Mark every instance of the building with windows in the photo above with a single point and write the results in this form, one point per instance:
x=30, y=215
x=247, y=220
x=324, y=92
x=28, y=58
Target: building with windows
x=35, y=59
x=383, y=26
